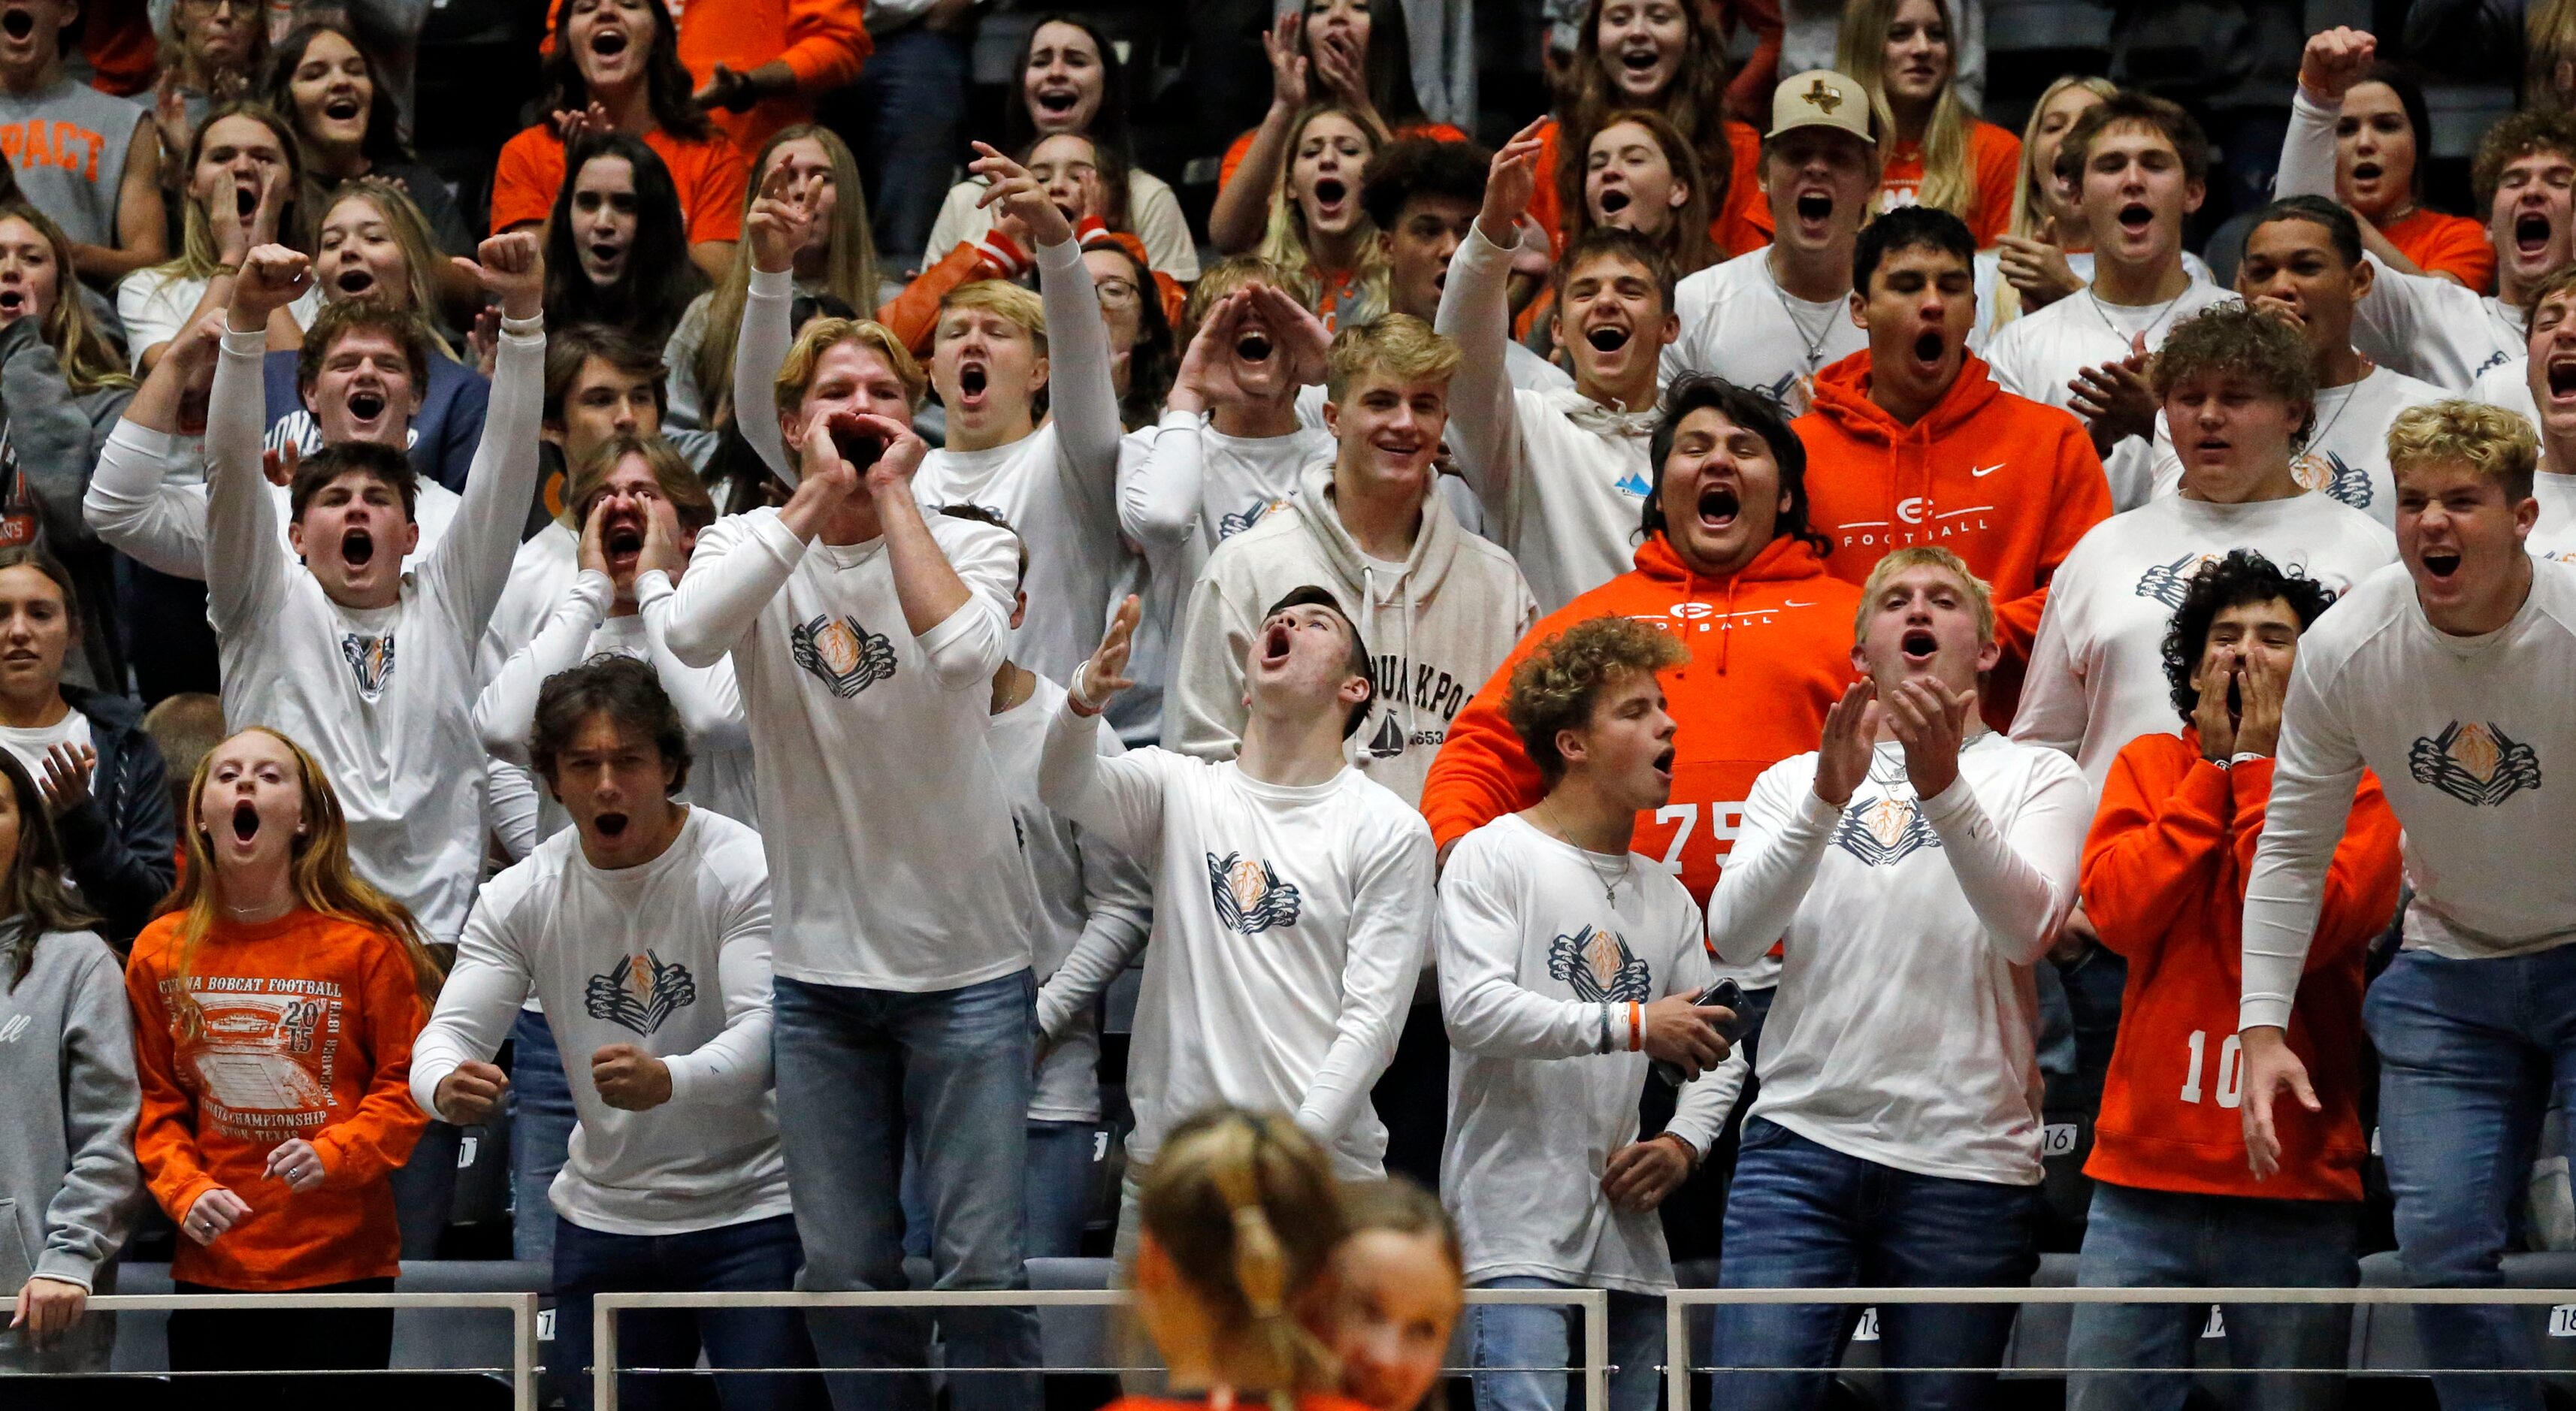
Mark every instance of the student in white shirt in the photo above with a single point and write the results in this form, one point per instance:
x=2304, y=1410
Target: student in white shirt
x=864, y=640
x=2420, y=324
x=2446, y=676
x=1422, y=194
x=1443, y=605
x=645, y=929
x=1566, y=963
x=2237, y=385
x=2303, y=265
x=1771, y=319
x=2551, y=374
x=1914, y=869
x=1292, y=895
x=1561, y=474
x=2140, y=165
x=358, y=651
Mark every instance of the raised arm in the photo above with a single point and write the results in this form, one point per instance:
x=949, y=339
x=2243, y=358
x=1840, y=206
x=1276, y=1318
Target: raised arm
x=1082, y=402
x=733, y=1068
x=245, y=564
x=2334, y=60
x=775, y=226
x=2021, y=882
x=471, y=565
x=2158, y=844
x=740, y=563
x=507, y=710
x=1390, y=933
x=1784, y=832
x=1118, y=799
x=1475, y=309
x=1242, y=209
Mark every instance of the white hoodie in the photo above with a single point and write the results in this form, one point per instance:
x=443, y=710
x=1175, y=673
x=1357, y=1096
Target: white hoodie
x=1436, y=625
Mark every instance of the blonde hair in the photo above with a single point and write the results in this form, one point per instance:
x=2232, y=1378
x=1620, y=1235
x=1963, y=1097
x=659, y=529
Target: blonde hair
x=1398, y=345
x=88, y=360
x=849, y=259
x=324, y=879
x=1284, y=242
x=2493, y=442
x=2549, y=39
x=1227, y=275
x=994, y=296
x=820, y=336
x=1925, y=556
x=1246, y=1208
x=1861, y=51
x=673, y=476
x=411, y=232
x=196, y=258
x=2030, y=194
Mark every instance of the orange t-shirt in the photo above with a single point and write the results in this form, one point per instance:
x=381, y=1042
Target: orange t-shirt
x=1994, y=156
x=2445, y=244
x=308, y=1026
x=1436, y=131
x=1742, y=223
x=709, y=175
x=822, y=42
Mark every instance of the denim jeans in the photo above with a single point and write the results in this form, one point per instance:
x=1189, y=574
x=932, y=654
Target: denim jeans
x=756, y=1255
x=2471, y=1054
x=857, y=1070
x=425, y=1189
x=1066, y=1160
x=911, y=99
x=2174, y=1239
x=541, y=1123
x=1803, y=1215
x=1534, y=1335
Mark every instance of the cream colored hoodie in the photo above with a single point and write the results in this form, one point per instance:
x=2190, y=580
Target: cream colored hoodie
x=1437, y=625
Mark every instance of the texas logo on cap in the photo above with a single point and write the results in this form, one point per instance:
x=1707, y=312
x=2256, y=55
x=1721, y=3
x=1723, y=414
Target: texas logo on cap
x=1820, y=98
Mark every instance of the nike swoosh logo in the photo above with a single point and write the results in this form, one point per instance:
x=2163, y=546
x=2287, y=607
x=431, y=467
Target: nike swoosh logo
x=1980, y=472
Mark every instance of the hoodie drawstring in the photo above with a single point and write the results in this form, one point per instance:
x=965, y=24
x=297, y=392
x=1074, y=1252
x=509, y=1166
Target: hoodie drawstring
x=1726, y=624
x=1404, y=653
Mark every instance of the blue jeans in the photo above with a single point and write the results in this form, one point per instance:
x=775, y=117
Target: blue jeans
x=2172, y=1239
x=857, y=1070
x=541, y=1122
x=1066, y=1160
x=756, y=1254
x=1533, y=1335
x=1802, y=1215
x=912, y=98
x=2471, y=1053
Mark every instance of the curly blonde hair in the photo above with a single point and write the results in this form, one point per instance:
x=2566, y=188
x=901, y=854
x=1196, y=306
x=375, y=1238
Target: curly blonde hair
x=1556, y=686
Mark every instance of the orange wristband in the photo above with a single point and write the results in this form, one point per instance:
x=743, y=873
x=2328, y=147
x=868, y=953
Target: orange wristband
x=1636, y=1037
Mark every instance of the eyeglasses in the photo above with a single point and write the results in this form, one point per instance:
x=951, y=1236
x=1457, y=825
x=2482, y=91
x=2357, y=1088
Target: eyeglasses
x=1116, y=293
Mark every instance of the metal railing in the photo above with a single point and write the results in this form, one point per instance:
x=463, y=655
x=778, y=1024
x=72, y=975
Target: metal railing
x=1593, y=1303
x=522, y=1308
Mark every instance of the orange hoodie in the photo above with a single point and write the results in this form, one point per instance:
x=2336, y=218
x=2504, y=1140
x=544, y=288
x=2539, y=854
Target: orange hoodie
x=822, y=42
x=1770, y=652
x=2164, y=882
x=308, y=1023
x=2006, y=483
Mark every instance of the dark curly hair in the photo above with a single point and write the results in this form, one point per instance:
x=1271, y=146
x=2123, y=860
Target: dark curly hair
x=2242, y=577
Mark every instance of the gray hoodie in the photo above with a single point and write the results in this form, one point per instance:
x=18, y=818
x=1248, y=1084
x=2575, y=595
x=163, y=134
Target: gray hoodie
x=69, y=1186
x=1436, y=626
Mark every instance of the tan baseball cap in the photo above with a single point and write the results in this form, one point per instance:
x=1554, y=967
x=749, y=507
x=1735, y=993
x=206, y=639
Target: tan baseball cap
x=1820, y=98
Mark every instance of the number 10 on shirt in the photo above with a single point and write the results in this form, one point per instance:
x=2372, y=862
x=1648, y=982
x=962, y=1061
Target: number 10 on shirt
x=2231, y=1069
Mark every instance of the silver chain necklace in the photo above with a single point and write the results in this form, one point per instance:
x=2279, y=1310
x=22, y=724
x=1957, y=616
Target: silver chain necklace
x=1609, y=880
x=2103, y=312
x=1815, y=342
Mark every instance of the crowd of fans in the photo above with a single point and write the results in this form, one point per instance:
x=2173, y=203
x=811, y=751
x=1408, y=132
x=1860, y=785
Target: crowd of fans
x=1701, y=683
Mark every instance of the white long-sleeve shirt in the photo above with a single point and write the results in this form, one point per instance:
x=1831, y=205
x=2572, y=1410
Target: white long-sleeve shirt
x=1530, y=955
x=382, y=697
x=540, y=574
x=1197, y=486
x=2039, y=354
x=1289, y=923
x=1562, y=478
x=1738, y=323
x=2097, y=670
x=1087, y=892
x=2553, y=534
x=889, y=833
x=2508, y=385
x=671, y=957
x=709, y=705
x=2346, y=455
x=1906, y=1025
x=147, y=500
x=2465, y=734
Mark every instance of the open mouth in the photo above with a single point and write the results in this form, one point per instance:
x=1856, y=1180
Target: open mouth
x=2135, y=217
x=1639, y=60
x=13, y=302
x=1275, y=644
x=1057, y=101
x=606, y=253
x=343, y=108
x=355, y=280
x=610, y=825
x=2441, y=563
x=18, y=24
x=245, y=201
x=971, y=380
x=245, y=821
x=1928, y=347
x=2235, y=699
x=1718, y=505
x=608, y=43
x=1253, y=346
x=2365, y=171
x=1614, y=200
x=2531, y=232
x=366, y=406
x=624, y=541
x=1664, y=762
x=1815, y=207
x=1919, y=645
x=1329, y=190
x=357, y=548
x=2562, y=372
x=1607, y=339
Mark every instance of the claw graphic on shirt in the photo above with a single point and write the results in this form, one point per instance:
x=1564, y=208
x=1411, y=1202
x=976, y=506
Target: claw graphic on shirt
x=1229, y=525
x=371, y=660
x=1597, y=965
x=639, y=992
x=1884, y=833
x=2476, y=764
x=2167, y=582
x=842, y=654
x=2326, y=472
x=1250, y=898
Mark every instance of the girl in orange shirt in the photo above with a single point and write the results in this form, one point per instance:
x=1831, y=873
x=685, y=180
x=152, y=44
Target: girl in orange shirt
x=1659, y=55
x=1316, y=222
x=1235, y=1232
x=275, y=999
x=1940, y=153
x=2379, y=174
x=617, y=246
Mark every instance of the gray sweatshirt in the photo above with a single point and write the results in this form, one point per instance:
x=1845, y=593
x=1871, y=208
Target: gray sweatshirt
x=69, y=1186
